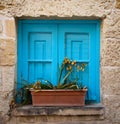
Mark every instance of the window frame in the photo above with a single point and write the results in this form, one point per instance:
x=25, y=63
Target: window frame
x=97, y=39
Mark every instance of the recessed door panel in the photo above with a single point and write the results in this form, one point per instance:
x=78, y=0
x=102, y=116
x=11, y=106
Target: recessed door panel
x=77, y=46
x=40, y=56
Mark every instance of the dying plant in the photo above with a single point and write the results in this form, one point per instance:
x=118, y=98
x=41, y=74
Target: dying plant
x=64, y=82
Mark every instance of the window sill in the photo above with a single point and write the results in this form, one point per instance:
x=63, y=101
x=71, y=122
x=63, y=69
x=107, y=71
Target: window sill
x=94, y=110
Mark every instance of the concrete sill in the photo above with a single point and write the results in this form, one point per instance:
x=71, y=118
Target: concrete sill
x=96, y=110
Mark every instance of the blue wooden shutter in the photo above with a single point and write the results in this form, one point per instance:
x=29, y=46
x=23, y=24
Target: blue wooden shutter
x=81, y=44
x=38, y=53
x=43, y=45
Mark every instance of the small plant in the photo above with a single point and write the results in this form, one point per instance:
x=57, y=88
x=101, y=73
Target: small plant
x=67, y=68
x=22, y=95
x=64, y=82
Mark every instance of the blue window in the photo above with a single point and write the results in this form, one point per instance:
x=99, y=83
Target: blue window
x=42, y=45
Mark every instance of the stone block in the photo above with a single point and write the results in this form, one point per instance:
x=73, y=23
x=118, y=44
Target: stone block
x=8, y=76
x=80, y=122
x=112, y=103
x=2, y=121
x=26, y=119
x=110, y=83
x=4, y=102
x=12, y=121
x=10, y=28
x=118, y=4
x=88, y=110
x=1, y=27
x=45, y=119
x=111, y=26
x=7, y=52
x=59, y=8
x=2, y=7
x=110, y=53
x=0, y=77
x=113, y=32
x=61, y=122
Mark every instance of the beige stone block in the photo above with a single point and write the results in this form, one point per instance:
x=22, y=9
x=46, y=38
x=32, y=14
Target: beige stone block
x=66, y=118
x=4, y=102
x=78, y=122
x=45, y=118
x=7, y=60
x=59, y=118
x=112, y=109
x=110, y=81
x=26, y=119
x=7, y=52
x=10, y=28
x=111, y=25
x=113, y=32
x=118, y=4
x=8, y=76
x=59, y=8
x=12, y=121
x=2, y=7
x=0, y=78
x=110, y=53
x=1, y=28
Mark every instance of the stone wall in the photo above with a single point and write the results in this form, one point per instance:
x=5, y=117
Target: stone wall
x=106, y=10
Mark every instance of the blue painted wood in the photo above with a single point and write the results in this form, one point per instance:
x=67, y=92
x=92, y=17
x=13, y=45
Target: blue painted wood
x=38, y=57
x=43, y=44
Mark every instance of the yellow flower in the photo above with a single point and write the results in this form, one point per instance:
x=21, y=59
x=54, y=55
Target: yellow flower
x=73, y=63
x=66, y=61
x=69, y=68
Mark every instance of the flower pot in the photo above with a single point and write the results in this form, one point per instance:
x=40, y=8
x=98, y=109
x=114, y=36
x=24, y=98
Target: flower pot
x=58, y=97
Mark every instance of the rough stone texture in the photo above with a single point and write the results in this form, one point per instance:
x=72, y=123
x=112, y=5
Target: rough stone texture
x=110, y=81
x=10, y=28
x=111, y=53
x=7, y=52
x=43, y=120
x=1, y=29
x=2, y=7
x=88, y=110
x=4, y=105
x=110, y=85
x=8, y=76
x=35, y=115
x=118, y=4
x=59, y=8
x=2, y=121
x=7, y=86
x=106, y=10
x=0, y=77
x=111, y=26
x=112, y=103
x=30, y=114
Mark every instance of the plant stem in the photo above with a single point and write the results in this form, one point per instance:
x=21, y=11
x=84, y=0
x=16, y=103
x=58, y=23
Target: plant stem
x=61, y=70
x=68, y=74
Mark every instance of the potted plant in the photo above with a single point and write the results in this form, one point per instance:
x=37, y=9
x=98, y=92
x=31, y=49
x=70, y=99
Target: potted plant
x=67, y=92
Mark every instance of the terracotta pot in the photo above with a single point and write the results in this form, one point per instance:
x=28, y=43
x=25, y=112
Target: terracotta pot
x=58, y=97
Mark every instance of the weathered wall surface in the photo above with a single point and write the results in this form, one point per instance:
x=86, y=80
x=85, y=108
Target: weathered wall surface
x=106, y=10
